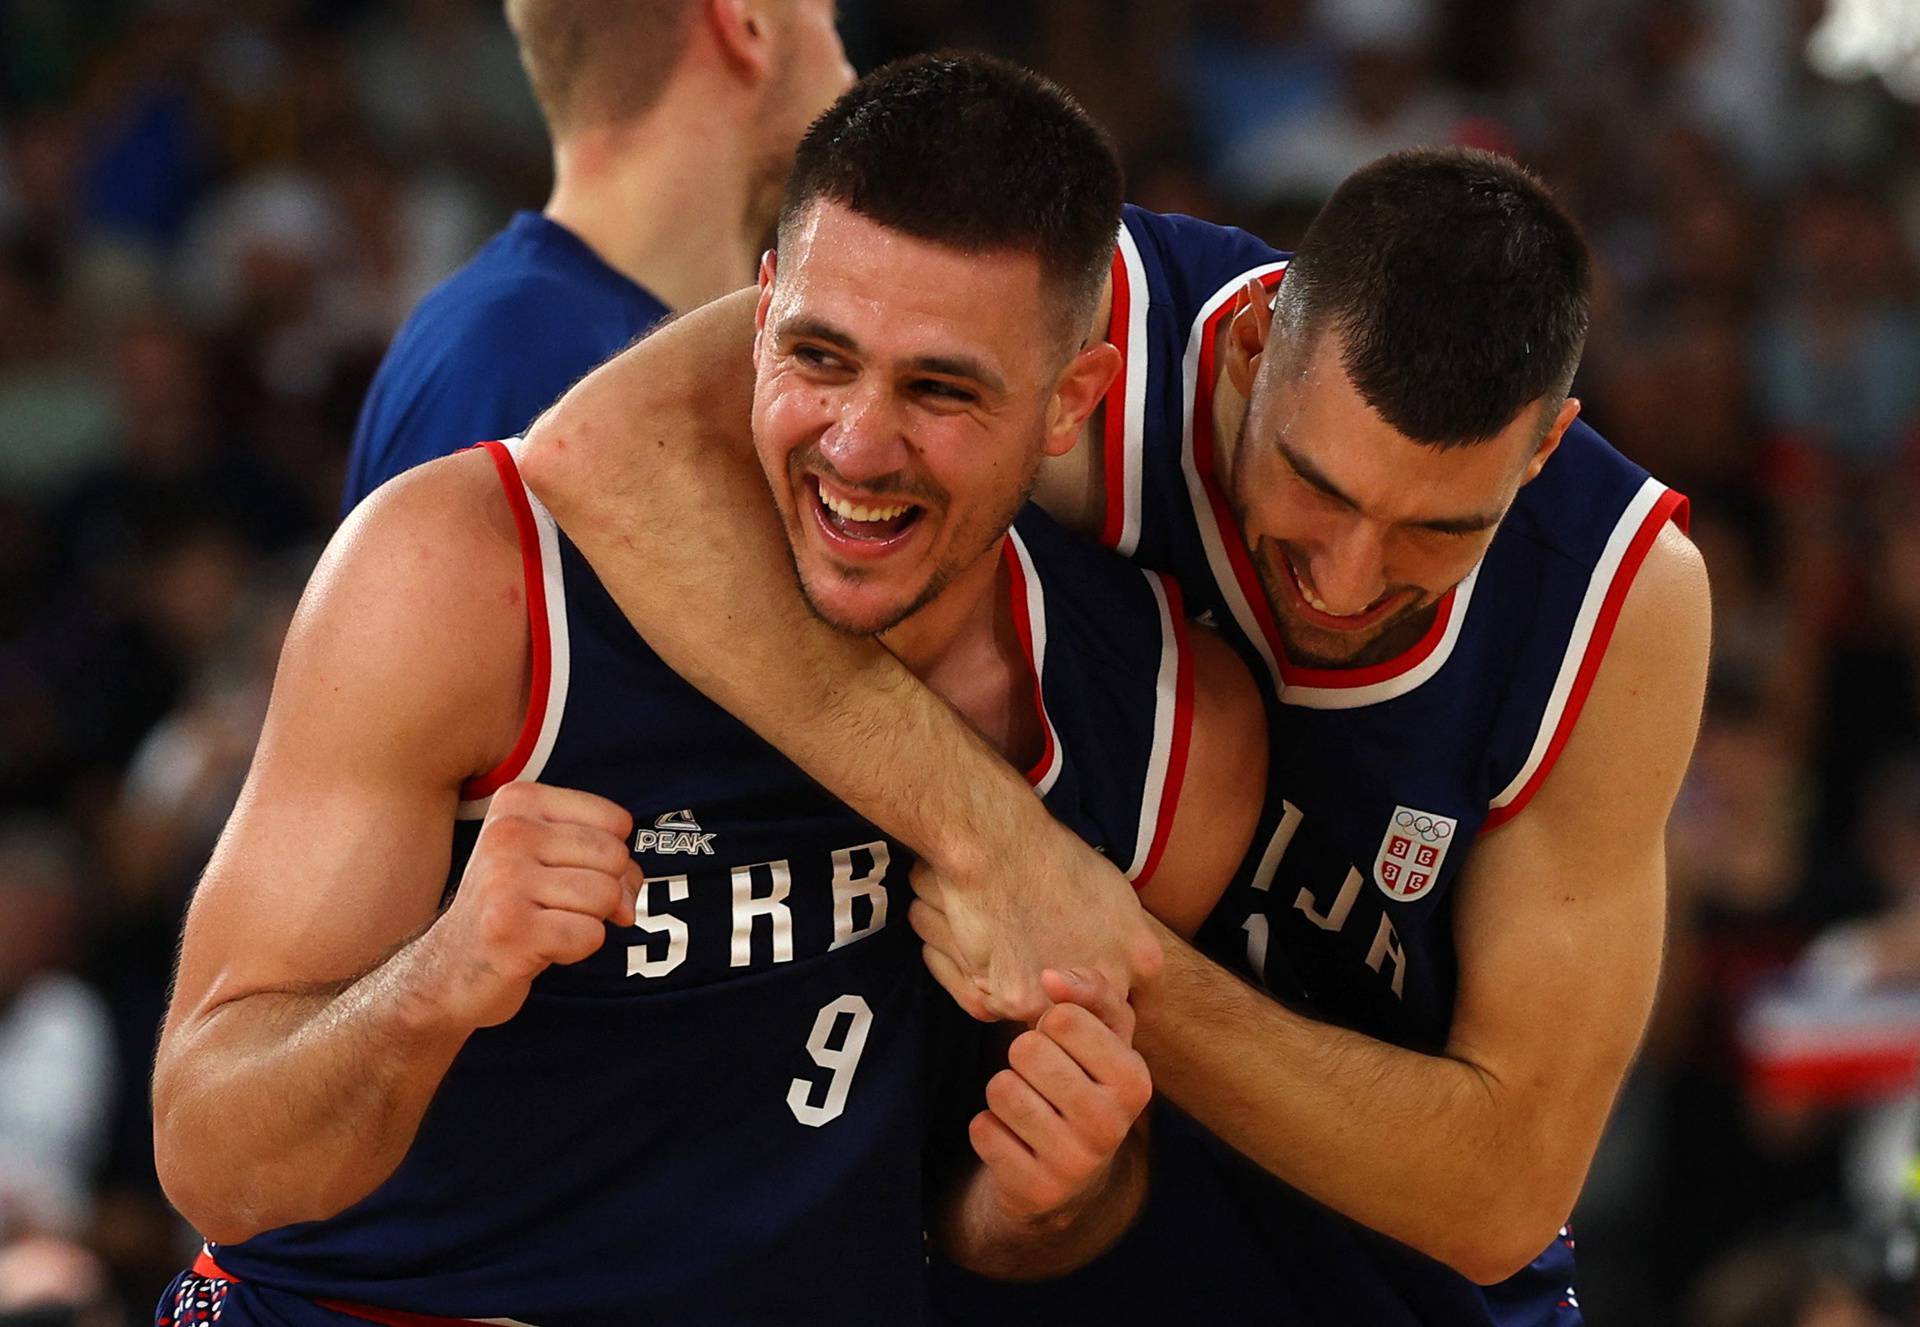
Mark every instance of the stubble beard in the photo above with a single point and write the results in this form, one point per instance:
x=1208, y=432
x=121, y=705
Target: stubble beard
x=1393, y=637
x=943, y=575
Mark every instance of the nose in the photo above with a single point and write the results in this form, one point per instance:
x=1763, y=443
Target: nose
x=865, y=443
x=1349, y=568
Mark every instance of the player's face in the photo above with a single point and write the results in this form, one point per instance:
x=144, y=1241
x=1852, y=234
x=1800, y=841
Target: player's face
x=1355, y=528
x=900, y=409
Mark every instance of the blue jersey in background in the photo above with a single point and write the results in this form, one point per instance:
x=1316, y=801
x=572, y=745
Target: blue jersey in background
x=495, y=344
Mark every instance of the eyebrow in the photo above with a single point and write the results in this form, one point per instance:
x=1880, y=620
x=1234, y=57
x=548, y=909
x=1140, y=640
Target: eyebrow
x=1317, y=479
x=947, y=366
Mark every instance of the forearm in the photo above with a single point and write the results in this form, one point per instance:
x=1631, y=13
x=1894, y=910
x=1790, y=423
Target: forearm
x=1427, y=1149
x=978, y=1231
x=283, y=1107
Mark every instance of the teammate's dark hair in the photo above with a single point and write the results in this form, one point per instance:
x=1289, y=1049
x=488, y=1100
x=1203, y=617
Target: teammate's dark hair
x=1458, y=287
x=974, y=153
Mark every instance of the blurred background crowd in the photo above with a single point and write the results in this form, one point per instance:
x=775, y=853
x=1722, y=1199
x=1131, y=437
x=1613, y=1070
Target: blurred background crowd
x=214, y=216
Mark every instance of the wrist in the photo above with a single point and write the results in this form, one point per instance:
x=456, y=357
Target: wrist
x=1023, y=1220
x=1000, y=824
x=1150, y=994
x=423, y=995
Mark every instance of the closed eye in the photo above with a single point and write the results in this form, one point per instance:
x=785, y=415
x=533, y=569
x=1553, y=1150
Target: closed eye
x=816, y=358
x=946, y=391
x=1319, y=493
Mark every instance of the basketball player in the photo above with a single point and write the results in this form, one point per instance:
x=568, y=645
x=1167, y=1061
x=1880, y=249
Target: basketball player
x=1486, y=639
x=576, y=1095
x=673, y=126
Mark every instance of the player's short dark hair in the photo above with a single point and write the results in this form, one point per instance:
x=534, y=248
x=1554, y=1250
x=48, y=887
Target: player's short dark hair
x=975, y=153
x=1458, y=287
x=598, y=61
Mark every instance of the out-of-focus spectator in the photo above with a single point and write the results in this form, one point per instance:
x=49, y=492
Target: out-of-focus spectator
x=1253, y=63
x=38, y=198
x=147, y=152
x=56, y=421
x=46, y=1282
x=1733, y=836
x=183, y=780
x=1835, y=352
x=56, y=1043
x=176, y=463
x=1388, y=99
x=441, y=82
x=1781, y=1284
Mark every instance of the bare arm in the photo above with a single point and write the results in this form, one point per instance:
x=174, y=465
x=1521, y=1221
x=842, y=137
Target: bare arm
x=664, y=429
x=1476, y=1156
x=319, y=1001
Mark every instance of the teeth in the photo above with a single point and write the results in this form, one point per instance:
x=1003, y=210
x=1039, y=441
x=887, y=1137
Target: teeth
x=1306, y=592
x=848, y=511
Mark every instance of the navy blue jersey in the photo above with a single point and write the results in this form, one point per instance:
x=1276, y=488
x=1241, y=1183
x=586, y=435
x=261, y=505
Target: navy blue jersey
x=1382, y=778
x=491, y=347
x=720, y=1117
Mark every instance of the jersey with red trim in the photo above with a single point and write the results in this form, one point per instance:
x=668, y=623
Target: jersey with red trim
x=1382, y=778
x=720, y=1117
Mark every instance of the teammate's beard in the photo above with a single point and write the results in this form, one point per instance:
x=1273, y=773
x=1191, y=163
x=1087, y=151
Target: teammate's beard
x=1396, y=635
x=1392, y=637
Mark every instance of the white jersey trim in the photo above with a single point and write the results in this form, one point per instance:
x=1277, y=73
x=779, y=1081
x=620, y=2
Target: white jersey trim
x=1210, y=535
x=1137, y=358
x=1037, y=634
x=559, y=652
x=1165, y=720
x=1350, y=698
x=1604, y=571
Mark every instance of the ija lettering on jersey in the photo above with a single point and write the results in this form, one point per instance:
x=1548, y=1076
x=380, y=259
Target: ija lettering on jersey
x=1307, y=880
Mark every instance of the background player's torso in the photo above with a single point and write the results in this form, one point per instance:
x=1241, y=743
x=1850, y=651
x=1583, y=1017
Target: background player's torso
x=495, y=344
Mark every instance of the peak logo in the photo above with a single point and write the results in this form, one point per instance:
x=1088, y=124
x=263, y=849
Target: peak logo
x=676, y=833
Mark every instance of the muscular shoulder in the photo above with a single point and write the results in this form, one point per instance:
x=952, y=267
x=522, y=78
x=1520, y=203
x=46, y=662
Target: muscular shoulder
x=436, y=536
x=1615, y=784
x=1670, y=592
x=1654, y=672
x=417, y=612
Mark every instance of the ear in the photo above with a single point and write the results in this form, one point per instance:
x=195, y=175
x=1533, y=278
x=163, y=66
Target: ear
x=1247, y=337
x=743, y=33
x=1551, y=443
x=1083, y=384
x=769, y=268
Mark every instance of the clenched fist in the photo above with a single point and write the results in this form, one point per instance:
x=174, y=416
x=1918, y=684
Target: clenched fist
x=1066, y=1102
x=551, y=866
